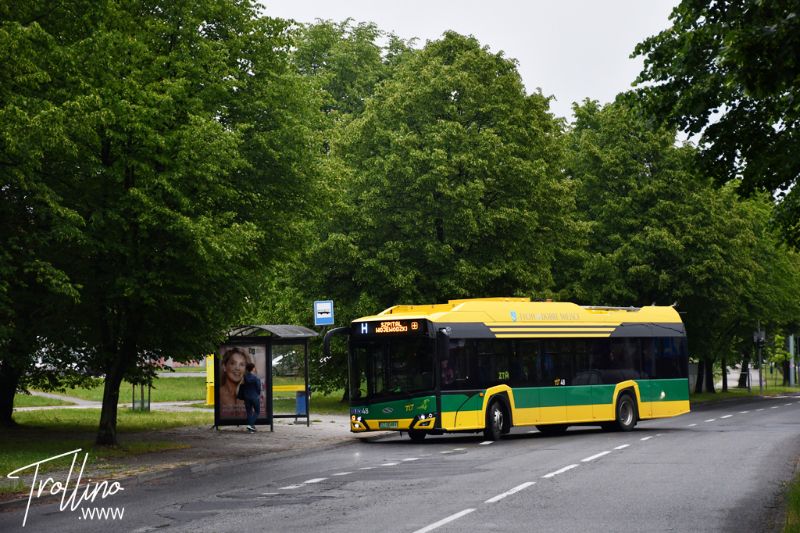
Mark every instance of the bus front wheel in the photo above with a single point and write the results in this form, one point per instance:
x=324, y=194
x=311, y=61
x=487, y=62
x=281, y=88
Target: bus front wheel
x=495, y=421
x=626, y=413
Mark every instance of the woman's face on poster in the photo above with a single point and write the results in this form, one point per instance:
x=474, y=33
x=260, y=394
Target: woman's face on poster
x=235, y=367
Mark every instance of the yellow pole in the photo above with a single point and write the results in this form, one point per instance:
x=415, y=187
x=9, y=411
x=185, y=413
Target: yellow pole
x=210, y=379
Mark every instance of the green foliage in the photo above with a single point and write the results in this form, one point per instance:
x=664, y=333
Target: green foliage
x=729, y=70
x=185, y=151
x=660, y=233
x=448, y=186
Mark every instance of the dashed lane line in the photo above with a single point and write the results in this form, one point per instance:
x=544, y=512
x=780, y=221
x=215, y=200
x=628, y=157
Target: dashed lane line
x=691, y=425
x=510, y=492
x=486, y=443
x=711, y=420
x=341, y=473
x=622, y=446
x=290, y=487
x=595, y=456
x=409, y=459
x=646, y=438
x=560, y=471
x=315, y=480
x=726, y=416
x=444, y=521
x=389, y=464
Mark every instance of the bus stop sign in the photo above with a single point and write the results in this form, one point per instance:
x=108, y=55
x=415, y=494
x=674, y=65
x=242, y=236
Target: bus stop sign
x=323, y=313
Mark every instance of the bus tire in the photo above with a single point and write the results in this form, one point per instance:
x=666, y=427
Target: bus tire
x=552, y=429
x=416, y=435
x=495, y=421
x=626, y=412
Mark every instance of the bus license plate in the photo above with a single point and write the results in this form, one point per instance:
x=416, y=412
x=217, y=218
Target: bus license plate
x=388, y=425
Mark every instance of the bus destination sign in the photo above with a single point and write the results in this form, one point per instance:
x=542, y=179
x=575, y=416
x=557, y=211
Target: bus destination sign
x=391, y=327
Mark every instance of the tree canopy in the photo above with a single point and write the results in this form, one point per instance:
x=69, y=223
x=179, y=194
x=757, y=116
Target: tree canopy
x=728, y=71
x=187, y=134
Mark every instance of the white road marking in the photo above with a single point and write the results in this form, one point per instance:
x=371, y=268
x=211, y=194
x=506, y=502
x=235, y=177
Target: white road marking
x=595, y=456
x=341, y=473
x=760, y=409
x=290, y=487
x=269, y=493
x=484, y=443
x=389, y=464
x=459, y=449
x=711, y=420
x=622, y=446
x=447, y=451
x=692, y=425
x=787, y=404
x=315, y=480
x=366, y=468
x=646, y=438
x=510, y=492
x=743, y=412
x=410, y=459
x=557, y=472
x=444, y=521
x=774, y=406
x=726, y=416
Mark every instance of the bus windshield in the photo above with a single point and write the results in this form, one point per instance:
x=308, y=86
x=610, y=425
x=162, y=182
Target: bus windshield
x=391, y=367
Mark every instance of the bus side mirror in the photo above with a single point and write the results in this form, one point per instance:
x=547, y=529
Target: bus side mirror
x=326, y=340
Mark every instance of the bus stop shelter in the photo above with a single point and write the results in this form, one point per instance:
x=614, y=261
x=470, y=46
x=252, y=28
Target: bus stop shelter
x=266, y=346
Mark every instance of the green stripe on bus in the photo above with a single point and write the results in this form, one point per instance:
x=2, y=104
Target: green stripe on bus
x=392, y=410
x=653, y=390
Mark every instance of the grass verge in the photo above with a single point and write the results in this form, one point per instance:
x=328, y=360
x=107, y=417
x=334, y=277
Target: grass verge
x=164, y=390
x=44, y=434
x=29, y=400
x=793, y=508
x=741, y=393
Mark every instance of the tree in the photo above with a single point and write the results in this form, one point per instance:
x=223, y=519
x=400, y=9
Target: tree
x=34, y=219
x=660, y=233
x=728, y=71
x=449, y=187
x=189, y=134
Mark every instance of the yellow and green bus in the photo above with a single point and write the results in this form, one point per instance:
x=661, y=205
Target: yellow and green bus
x=488, y=364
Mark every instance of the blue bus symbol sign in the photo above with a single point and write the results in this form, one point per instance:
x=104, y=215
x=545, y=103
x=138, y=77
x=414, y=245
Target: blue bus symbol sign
x=323, y=313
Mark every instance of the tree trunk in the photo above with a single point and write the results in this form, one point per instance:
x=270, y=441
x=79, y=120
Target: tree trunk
x=701, y=368
x=710, y=377
x=745, y=373
x=724, y=375
x=107, y=432
x=9, y=380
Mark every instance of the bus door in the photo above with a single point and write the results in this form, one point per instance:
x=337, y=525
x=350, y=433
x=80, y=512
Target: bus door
x=556, y=371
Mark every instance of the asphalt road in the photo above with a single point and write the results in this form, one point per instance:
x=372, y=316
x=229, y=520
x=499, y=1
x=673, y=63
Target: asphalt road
x=720, y=468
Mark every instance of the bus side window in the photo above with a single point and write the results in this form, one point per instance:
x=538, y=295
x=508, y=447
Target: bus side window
x=527, y=357
x=649, y=358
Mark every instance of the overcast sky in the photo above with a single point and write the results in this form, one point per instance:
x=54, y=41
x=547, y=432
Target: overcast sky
x=571, y=49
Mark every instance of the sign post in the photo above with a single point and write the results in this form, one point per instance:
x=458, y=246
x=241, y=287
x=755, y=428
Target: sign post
x=323, y=313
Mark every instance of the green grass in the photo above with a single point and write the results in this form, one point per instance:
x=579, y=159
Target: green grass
x=734, y=392
x=182, y=369
x=793, y=508
x=164, y=390
x=28, y=400
x=127, y=421
x=43, y=434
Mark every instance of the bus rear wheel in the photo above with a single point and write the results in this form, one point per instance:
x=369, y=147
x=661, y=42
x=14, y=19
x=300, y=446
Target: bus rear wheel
x=495, y=421
x=626, y=413
x=416, y=435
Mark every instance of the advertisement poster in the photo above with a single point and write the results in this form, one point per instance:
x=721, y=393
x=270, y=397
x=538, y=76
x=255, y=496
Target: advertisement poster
x=232, y=361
